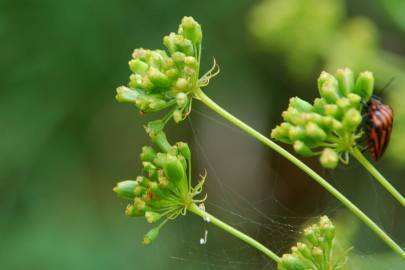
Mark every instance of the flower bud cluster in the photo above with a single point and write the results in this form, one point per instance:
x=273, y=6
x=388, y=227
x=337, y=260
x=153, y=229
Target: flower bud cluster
x=332, y=122
x=315, y=251
x=165, y=78
x=163, y=191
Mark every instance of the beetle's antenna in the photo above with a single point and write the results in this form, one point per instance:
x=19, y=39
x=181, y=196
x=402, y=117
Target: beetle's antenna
x=386, y=85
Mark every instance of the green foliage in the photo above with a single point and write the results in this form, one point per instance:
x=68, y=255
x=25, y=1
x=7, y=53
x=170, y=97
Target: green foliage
x=292, y=28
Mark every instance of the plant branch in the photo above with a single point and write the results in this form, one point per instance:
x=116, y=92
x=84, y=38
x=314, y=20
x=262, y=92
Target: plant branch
x=229, y=229
x=378, y=176
x=200, y=95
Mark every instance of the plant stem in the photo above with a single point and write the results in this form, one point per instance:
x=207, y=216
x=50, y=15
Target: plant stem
x=245, y=238
x=200, y=95
x=378, y=176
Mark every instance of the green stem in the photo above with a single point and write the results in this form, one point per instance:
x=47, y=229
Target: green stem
x=200, y=95
x=245, y=238
x=378, y=176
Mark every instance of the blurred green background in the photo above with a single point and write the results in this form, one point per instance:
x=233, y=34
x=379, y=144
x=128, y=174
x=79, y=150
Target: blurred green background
x=64, y=141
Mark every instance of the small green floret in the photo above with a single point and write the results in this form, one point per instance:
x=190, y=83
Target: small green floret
x=315, y=251
x=164, y=190
x=330, y=127
x=167, y=78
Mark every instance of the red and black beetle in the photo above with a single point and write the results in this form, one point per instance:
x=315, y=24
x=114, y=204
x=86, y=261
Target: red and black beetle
x=377, y=123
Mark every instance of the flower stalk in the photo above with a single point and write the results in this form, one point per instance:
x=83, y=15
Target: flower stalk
x=164, y=191
x=231, y=230
x=200, y=95
x=163, y=79
x=378, y=176
x=333, y=127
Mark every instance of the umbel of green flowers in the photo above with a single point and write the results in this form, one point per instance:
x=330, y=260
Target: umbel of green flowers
x=167, y=78
x=315, y=251
x=164, y=190
x=330, y=127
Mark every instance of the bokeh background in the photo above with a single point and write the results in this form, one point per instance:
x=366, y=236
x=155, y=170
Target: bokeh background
x=64, y=141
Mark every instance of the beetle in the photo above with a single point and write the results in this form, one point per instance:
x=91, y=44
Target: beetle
x=378, y=119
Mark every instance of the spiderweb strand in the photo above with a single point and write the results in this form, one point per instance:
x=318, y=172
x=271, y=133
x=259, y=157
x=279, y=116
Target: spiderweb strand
x=200, y=95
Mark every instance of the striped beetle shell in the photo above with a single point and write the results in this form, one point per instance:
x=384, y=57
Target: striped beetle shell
x=377, y=122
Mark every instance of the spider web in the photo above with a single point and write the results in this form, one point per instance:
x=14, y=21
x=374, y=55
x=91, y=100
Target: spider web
x=260, y=214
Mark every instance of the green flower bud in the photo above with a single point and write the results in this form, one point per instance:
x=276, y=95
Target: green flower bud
x=318, y=255
x=343, y=103
x=142, y=181
x=352, y=119
x=332, y=110
x=151, y=236
x=290, y=262
x=304, y=250
x=191, y=30
x=163, y=182
x=364, y=85
x=300, y=105
x=327, y=229
x=173, y=169
x=346, y=80
x=138, y=66
x=168, y=64
x=177, y=116
x=327, y=122
x=291, y=115
x=125, y=189
x=281, y=133
x=148, y=154
x=139, y=53
x=156, y=104
x=181, y=84
x=146, y=84
x=135, y=81
x=355, y=100
x=132, y=211
x=181, y=99
x=172, y=73
x=138, y=191
x=152, y=217
x=337, y=125
x=139, y=204
x=304, y=118
x=329, y=158
x=184, y=150
x=160, y=140
x=186, y=46
x=178, y=57
x=124, y=94
x=191, y=62
x=296, y=133
x=149, y=168
x=170, y=43
x=156, y=58
x=302, y=149
x=190, y=72
x=158, y=78
x=314, y=132
x=311, y=235
x=159, y=160
x=328, y=87
x=319, y=104
x=153, y=186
